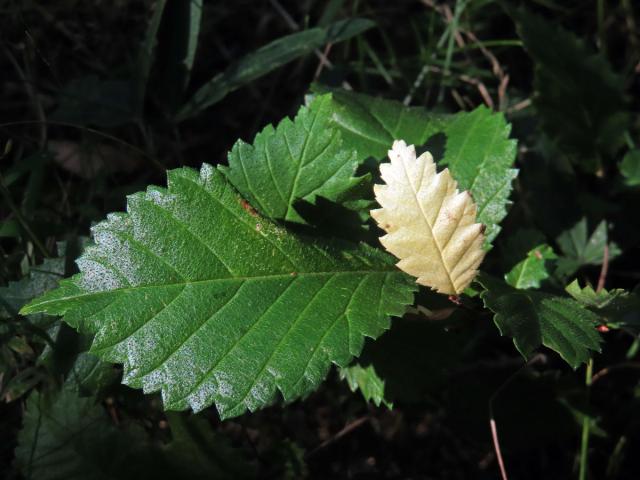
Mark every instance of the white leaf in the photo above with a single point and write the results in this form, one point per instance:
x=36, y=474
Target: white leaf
x=431, y=226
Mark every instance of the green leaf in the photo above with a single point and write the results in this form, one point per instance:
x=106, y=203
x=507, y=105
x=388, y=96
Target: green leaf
x=177, y=45
x=211, y=303
x=146, y=56
x=202, y=452
x=532, y=270
x=534, y=318
x=478, y=150
x=518, y=244
x=616, y=308
x=579, y=98
x=367, y=380
x=589, y=297
x=480, y=155
x=268, y=58
x=9, y=229
x=297, y=160
x=40, y=279
x=90, y=375
x=630, y=168
x=369, y=125
x=65, y=436
x=578, y=250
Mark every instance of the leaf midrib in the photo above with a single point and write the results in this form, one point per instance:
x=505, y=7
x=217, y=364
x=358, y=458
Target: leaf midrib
x=439, y=249
x=213, y=281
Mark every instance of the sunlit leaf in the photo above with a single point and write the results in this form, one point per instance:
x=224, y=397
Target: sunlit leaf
x=431, y=226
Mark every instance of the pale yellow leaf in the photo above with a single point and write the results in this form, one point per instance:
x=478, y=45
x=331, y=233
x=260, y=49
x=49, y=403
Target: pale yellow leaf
x=431, y=226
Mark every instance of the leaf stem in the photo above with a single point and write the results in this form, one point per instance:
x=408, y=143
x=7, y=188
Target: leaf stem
x=586, y=426
x=600, y=14
x=605, y=268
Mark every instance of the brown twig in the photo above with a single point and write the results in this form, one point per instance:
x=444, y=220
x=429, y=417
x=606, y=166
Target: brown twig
x=448, y=15
x=484, y=93
x=324, y=59
x=526, y=103
x=348, y=428
x=492, y=421
x=113, y=413
x=496, y=447
x=293, y=25
x=605, y=268
x=607, y=370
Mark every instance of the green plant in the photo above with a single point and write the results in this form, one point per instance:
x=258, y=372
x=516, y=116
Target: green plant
x=243, y=282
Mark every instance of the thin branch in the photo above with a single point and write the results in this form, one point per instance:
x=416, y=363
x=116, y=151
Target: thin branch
x=607, y=370
x=154, y=161
x=605, y=268
x=496, y=447
x=492, y=421
x=348, y=428
x=293, y=25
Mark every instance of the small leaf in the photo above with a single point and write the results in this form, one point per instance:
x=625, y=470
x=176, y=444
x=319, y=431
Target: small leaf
x=40, y=279
x=268, y=58
x=518, y=244
x=532, y=270
x=578, y=250
x=409, y=363
x=367, y=380
x=205, y=300
x=297, y=160
x=534, y=318
x=430, y=225
x=616, y=308
x=630, y=168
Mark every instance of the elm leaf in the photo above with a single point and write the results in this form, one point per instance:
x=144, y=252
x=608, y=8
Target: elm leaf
x=532, y=270
x=298, y=160
x=210, y=303
x=533, y=318
x=431, y=226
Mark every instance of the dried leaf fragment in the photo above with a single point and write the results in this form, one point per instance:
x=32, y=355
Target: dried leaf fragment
x=431, y=226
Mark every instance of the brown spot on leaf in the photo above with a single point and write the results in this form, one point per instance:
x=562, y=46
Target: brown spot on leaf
x=248, y=208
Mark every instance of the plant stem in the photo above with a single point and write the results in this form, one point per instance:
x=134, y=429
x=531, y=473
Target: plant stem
x=586, y=424
x=600, y=14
